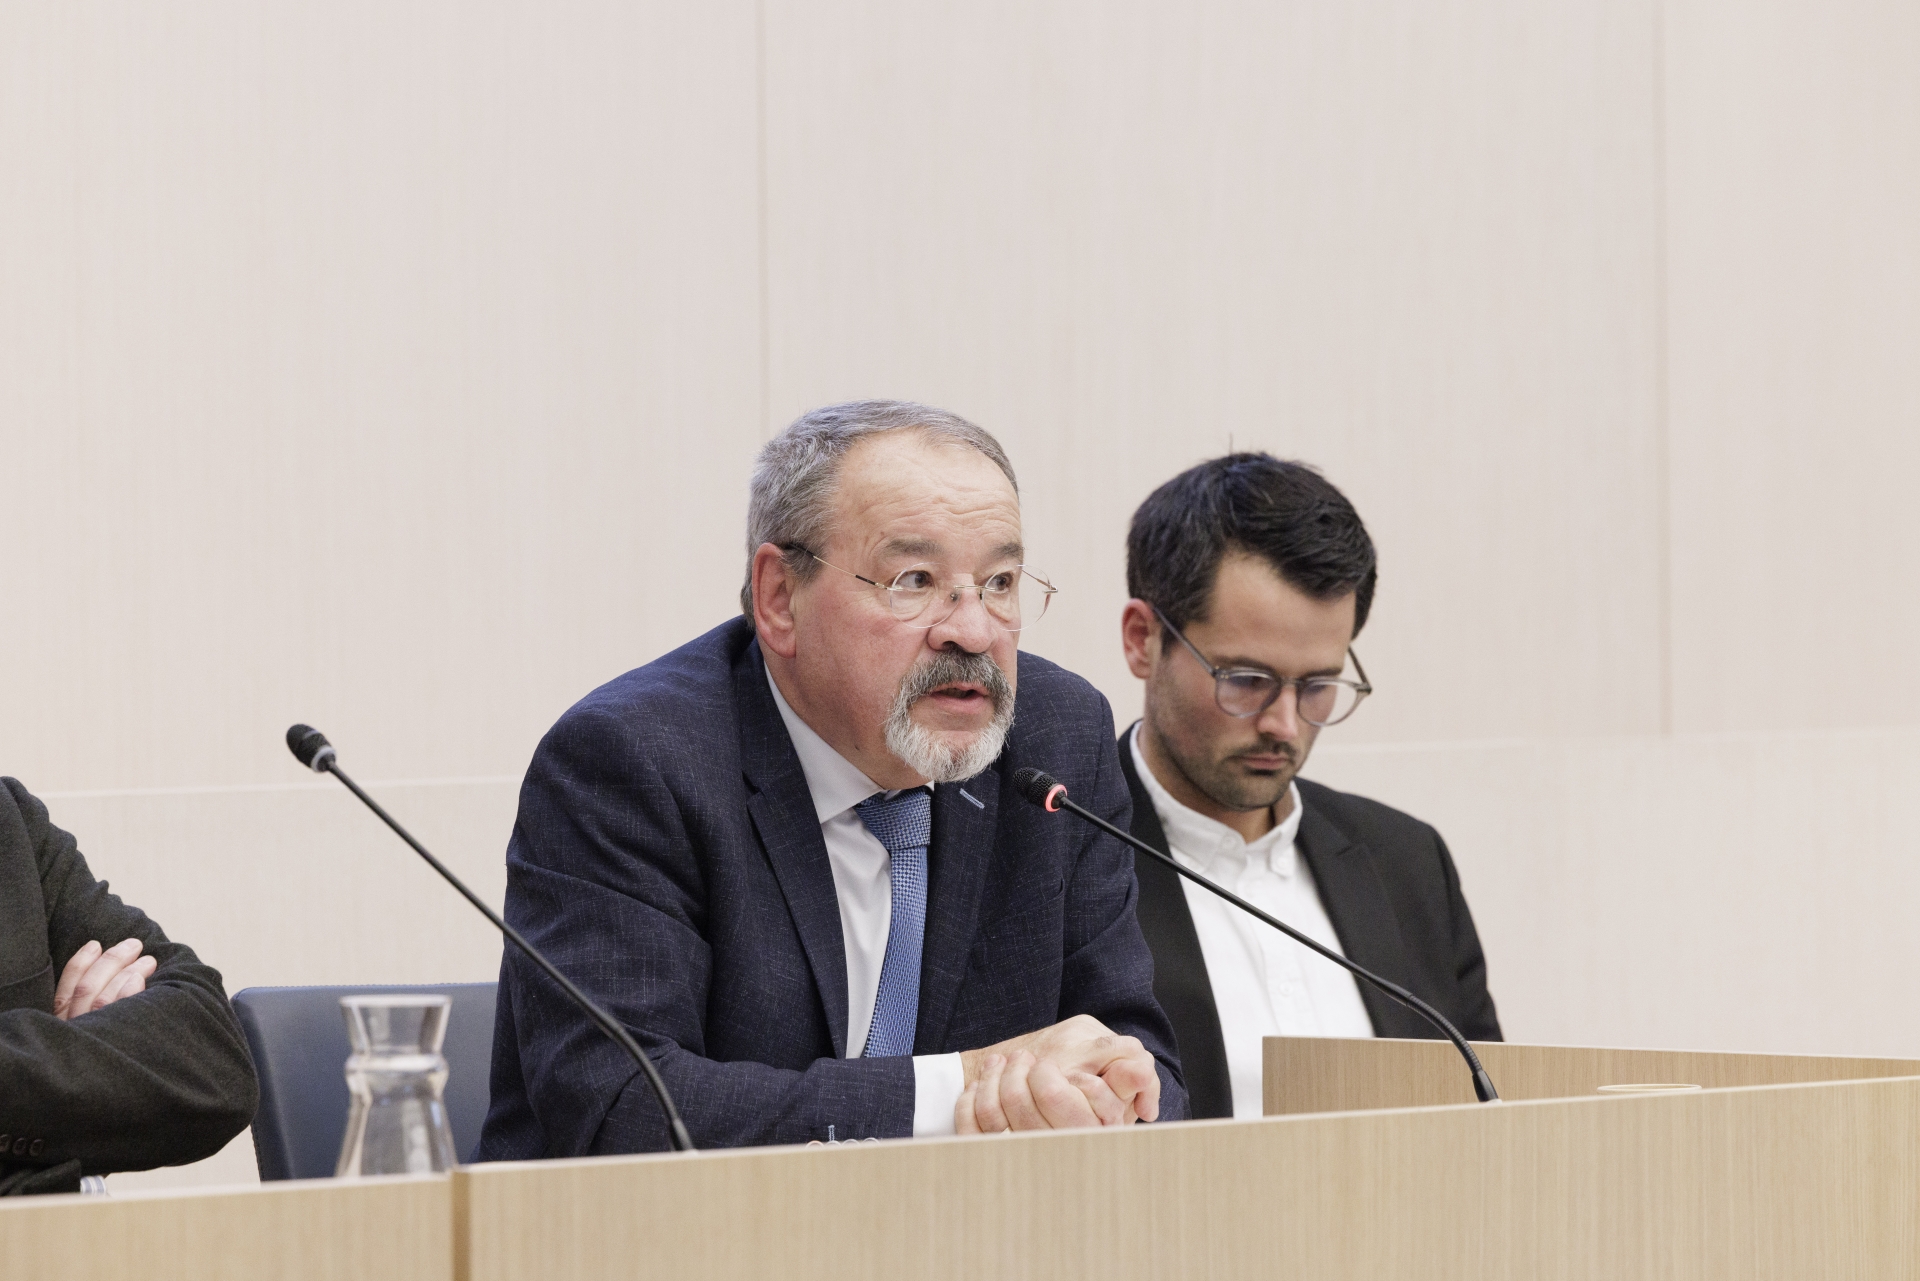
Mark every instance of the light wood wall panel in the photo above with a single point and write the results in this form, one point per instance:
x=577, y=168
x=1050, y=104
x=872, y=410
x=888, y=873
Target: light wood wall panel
x=1794, y=154
x=293, y=885
x=1414, y=244
x=392, y=368
x=1727, y=892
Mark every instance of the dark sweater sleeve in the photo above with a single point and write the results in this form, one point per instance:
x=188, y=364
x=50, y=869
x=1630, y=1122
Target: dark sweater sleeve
x=159, y=1078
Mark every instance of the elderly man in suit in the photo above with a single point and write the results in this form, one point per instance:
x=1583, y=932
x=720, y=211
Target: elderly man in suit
x=125, y=1058
x=789, y=856
x=1250, y=577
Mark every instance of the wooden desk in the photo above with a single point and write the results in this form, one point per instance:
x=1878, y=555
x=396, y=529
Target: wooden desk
x=319, y=1230
x=1772, y=1173
x=1791, y=1181
x=1321, y=1074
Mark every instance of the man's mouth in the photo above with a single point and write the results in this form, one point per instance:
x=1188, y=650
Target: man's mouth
x=964, y=695
x=1265, y=761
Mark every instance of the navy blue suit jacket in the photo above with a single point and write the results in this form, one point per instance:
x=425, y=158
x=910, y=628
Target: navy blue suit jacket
x=668, y=858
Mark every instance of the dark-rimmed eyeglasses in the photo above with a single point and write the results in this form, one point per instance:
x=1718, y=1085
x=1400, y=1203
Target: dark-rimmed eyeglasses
x=1246, y=692
x=1015, y=598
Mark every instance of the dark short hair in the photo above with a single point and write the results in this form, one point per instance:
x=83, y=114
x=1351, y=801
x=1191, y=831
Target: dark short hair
x=1286, y=513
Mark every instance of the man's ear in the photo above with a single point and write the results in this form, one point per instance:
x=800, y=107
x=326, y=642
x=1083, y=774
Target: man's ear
x=773, y=585
x=1140, y=637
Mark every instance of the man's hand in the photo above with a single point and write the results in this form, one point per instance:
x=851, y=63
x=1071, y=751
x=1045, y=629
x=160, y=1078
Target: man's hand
x=95, y=979
x=1075, y=1073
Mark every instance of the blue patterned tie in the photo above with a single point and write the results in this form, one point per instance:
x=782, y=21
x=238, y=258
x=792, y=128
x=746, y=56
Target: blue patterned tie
x=905, y=826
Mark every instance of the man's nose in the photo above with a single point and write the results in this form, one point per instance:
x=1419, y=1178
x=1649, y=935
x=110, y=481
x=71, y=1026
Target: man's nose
x=1281, y=720
x=969, y=626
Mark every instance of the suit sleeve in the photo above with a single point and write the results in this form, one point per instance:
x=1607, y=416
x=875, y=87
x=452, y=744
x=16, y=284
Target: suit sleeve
x=1109, y=971
x=159, y=1078
x=1477, y=1019
x=603, y=876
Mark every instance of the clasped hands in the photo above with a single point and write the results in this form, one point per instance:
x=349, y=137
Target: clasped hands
x=96, y=977
x=1073, y=1074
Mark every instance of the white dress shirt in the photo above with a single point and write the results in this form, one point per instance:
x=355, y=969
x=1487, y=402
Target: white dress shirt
x=863, y=882
x=1264, y=983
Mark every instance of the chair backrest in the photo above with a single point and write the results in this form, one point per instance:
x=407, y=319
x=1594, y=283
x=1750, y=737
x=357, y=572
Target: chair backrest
x=299, y=1043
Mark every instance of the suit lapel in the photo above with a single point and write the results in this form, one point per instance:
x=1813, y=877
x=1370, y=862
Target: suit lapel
x=963, y=839
x=783, y=814
x=1181, y=983
x=1356, y=902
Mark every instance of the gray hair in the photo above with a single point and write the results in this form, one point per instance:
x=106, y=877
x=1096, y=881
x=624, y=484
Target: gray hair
x=790, y=498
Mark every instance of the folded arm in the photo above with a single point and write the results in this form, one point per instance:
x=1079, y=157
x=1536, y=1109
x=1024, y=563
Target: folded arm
x=156, y=1077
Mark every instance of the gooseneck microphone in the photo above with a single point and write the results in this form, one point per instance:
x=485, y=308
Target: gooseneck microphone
x=311, y=749
x=1051, y=795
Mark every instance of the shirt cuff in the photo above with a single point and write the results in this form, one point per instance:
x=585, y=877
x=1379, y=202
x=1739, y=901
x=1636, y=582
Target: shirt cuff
x=937, y=1082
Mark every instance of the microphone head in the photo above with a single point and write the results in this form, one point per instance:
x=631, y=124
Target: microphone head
x=1040, y=787
x=310, y=747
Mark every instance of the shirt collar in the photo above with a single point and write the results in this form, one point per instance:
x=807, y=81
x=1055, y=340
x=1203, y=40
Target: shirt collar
x=836, y=783
x=1204, y=842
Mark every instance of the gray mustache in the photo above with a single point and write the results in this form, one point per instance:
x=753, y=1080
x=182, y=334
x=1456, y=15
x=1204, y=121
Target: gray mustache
x=949, y=668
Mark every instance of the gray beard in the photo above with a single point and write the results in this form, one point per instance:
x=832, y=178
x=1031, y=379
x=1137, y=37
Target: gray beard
x=919, y=748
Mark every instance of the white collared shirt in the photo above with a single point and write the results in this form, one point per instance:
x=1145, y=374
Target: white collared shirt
x=1264, y=983
x=863, y=882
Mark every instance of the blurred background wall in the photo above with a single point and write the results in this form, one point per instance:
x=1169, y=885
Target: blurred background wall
x=397, y=367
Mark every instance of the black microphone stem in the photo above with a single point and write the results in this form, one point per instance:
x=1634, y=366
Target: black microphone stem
x=676, y=1128
x=1482, y=1083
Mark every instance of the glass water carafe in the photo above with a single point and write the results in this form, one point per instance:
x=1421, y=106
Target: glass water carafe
x=396, y=1118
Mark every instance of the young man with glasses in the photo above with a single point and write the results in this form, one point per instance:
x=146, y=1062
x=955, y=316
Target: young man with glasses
x=1250, y=578
x=789, y=855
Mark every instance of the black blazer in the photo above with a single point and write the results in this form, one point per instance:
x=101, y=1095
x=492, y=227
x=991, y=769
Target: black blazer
x=667, y=854
x=161, y=1078
x=1391, y=891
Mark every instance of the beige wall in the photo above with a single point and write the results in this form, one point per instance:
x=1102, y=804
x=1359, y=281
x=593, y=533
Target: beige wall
x=1794, y=314
x=397, y=368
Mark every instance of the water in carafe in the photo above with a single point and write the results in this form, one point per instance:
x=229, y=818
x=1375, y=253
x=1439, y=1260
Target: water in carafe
x=396, y=1117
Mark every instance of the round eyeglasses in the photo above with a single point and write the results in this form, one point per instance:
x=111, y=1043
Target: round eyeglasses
x=1247, y=692
x=1015, y=598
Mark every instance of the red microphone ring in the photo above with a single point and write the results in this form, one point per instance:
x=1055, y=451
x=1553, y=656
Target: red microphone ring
x=1054, y=794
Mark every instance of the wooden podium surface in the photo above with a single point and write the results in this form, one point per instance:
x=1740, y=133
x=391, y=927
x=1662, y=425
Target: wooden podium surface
x=1749, y=1179
x=1315, y=1074
x=317, y=1230
x=1784, y=1167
